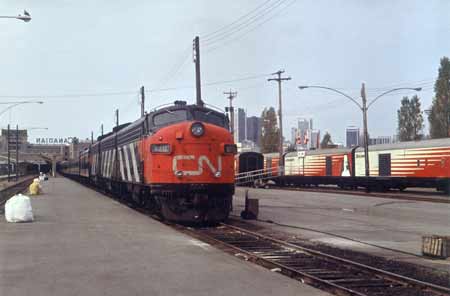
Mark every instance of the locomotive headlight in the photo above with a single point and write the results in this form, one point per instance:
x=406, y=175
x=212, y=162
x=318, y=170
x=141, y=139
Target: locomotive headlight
x=160, y=148
x=230, y=148
x=197, y=129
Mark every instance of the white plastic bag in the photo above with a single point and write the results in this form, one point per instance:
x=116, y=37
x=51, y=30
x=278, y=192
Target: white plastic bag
x=18, y=209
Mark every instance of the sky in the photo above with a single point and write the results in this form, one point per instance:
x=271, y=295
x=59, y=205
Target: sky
x=109, y=49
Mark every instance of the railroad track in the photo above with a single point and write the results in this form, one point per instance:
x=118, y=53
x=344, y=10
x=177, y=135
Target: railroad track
x=12, y=190
x=327, y=272
x=333, y=274
x=413, y=196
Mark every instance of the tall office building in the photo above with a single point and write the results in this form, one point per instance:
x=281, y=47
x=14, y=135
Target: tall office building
x=352, y=136
x=240, y=122
x=254, y=129
x=303, y=133
x=303, y=125
x=294, y=131
x=314, y=139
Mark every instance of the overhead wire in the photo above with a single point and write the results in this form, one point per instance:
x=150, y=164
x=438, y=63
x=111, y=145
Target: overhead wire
x=235, y=21
x=79, y=95
x=246, y=23
x=227, y=40
x=116, y=93
x=176, y=68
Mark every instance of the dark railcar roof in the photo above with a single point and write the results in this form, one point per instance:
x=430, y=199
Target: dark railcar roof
x=130, y=132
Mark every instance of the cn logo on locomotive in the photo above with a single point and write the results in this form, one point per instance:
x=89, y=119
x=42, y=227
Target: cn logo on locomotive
x=200, y=164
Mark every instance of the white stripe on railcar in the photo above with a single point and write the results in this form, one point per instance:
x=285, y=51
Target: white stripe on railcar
x=133, y=158
x=127, y=162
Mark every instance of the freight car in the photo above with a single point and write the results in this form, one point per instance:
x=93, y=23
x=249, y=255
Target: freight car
x=177, y=161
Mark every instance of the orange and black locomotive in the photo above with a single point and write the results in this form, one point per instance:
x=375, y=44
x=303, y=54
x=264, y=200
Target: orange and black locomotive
x=177, y=161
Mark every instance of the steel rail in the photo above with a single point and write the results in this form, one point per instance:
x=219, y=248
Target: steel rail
x=434, y=197
x=402, y=282
x=383, y=274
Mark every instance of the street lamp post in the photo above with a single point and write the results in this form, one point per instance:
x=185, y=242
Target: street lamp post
x=26, y=17
x=15, y=104
x=364, y=108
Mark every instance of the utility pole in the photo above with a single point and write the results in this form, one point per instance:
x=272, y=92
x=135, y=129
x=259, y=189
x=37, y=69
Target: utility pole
x=280, y=79
x=447, y=104
x=366, y=133
x=196, y=58
x=117, y=117
x=17, y=152
x=92, y=137
x=142, y=102
x=231, y=96
x=100, y=160
x=9, y=153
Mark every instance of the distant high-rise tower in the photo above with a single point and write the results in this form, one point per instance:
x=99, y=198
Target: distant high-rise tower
x=240, y=122
x=303, y=133
x=352, y=136
x=294, y=135
x=314, y=139
x=303, y=125
x=254, y=129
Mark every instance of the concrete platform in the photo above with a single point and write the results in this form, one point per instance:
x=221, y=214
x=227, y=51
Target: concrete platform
x=367, y=222
x=83, y=243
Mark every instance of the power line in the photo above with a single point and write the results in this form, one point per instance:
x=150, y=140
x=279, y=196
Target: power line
x=103, y=94
x=236, y=21
x=184, y=57
x=246, y=32
x=211, y=83
x=117, y=93
x=418, y=83
x=245, y=24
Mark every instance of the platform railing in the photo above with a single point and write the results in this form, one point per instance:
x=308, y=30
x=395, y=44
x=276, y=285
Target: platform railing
x=258, y=175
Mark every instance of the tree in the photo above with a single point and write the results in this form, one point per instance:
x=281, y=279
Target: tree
x=326, y=141
x=416, y=118
x=440, y=109
x=410, y=119
x=270, y=131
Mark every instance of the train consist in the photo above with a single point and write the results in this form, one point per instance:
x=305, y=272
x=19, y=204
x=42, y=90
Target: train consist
x=177, y=161
x=393, y=166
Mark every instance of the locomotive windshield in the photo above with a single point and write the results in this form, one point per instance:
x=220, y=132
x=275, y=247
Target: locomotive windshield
x=212, y=117
x=169, y=117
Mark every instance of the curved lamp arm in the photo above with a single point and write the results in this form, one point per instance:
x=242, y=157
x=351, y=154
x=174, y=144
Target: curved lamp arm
x=393, y=90
x=332, y=89
x=19, y=103
x=26, y=17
